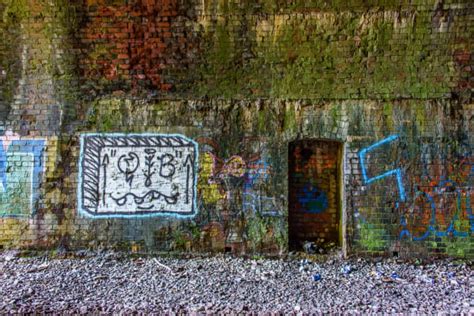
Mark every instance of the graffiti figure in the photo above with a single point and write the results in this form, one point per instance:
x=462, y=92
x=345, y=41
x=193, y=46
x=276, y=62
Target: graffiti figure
x=434, y=227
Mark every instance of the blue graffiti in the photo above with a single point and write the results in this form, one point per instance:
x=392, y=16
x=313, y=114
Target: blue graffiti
x=451, y=229
x=258, y=171
x=21, y=166
x=444, y=186
x=397, y=172
x=432, y=229
x=261, y=204
x=313, y=200
x=254, y=201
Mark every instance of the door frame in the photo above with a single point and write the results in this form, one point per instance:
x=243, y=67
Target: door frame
x=341, y=164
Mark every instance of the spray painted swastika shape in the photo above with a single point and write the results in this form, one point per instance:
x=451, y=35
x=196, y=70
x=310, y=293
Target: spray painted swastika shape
x=394, y=172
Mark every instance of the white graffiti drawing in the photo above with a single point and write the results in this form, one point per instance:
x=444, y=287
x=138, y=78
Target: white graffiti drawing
x=137, y=174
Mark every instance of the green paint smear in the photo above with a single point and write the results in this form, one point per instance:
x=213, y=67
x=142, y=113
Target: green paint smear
x=458, y=247
x=371, y=238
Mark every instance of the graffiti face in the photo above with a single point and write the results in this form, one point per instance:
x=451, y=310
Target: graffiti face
x=137, y=174
x=21, y=166
x=221, y=180
x=235, y=166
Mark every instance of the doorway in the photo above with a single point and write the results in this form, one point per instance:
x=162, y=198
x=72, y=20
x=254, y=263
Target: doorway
x=314, y=191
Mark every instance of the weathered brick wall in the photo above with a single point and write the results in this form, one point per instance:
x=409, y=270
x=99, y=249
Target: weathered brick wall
x=284, y=49
x=235, y=82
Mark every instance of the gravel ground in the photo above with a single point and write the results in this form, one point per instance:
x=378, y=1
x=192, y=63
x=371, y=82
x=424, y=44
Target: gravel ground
x=116, y=283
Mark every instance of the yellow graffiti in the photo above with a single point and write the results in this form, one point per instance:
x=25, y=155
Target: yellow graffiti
x=209, y=190
x=235, y=166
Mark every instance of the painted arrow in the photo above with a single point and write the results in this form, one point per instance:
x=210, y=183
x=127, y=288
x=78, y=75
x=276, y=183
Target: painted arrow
x=189, y=163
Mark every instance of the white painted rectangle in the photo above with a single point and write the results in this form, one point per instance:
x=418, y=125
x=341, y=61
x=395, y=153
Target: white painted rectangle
x=137, y=174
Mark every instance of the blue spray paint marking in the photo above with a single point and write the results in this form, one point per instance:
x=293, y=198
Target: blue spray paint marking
x=396, y=172
x=451, y=228
x=16, y=173
x=258, y=170
x=252, y=200
x=261, y=204
x=313, y=200
x=431, y=229
x=432, y=225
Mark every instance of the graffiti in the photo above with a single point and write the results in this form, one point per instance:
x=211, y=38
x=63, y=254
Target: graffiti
x=216, y=175
x=209, y=189
x=313, y=200
x=438, y=209
x=396, y=172
x=137, y=174
x=438, y=225
x=21, y=168
x=371, y=237
x=234, y=166
x=253, y=199
x=221, y=179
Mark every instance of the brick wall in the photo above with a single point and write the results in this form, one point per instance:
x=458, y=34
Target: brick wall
x=166, y=125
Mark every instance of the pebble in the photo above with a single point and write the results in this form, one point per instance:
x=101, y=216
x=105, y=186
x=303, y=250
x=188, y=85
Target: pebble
x=114, y=283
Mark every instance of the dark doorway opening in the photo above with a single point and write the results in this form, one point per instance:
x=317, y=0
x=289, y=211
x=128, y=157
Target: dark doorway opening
x=314, y=182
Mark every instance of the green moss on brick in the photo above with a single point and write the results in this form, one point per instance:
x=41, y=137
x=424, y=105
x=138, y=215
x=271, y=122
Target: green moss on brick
x=456, y=247
x=63, y=66
x=12, y=13
x=388, y=116
x=257, y=228
x=15, y=11
x=290, y=123
x=375, y=54
x=105, y=115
